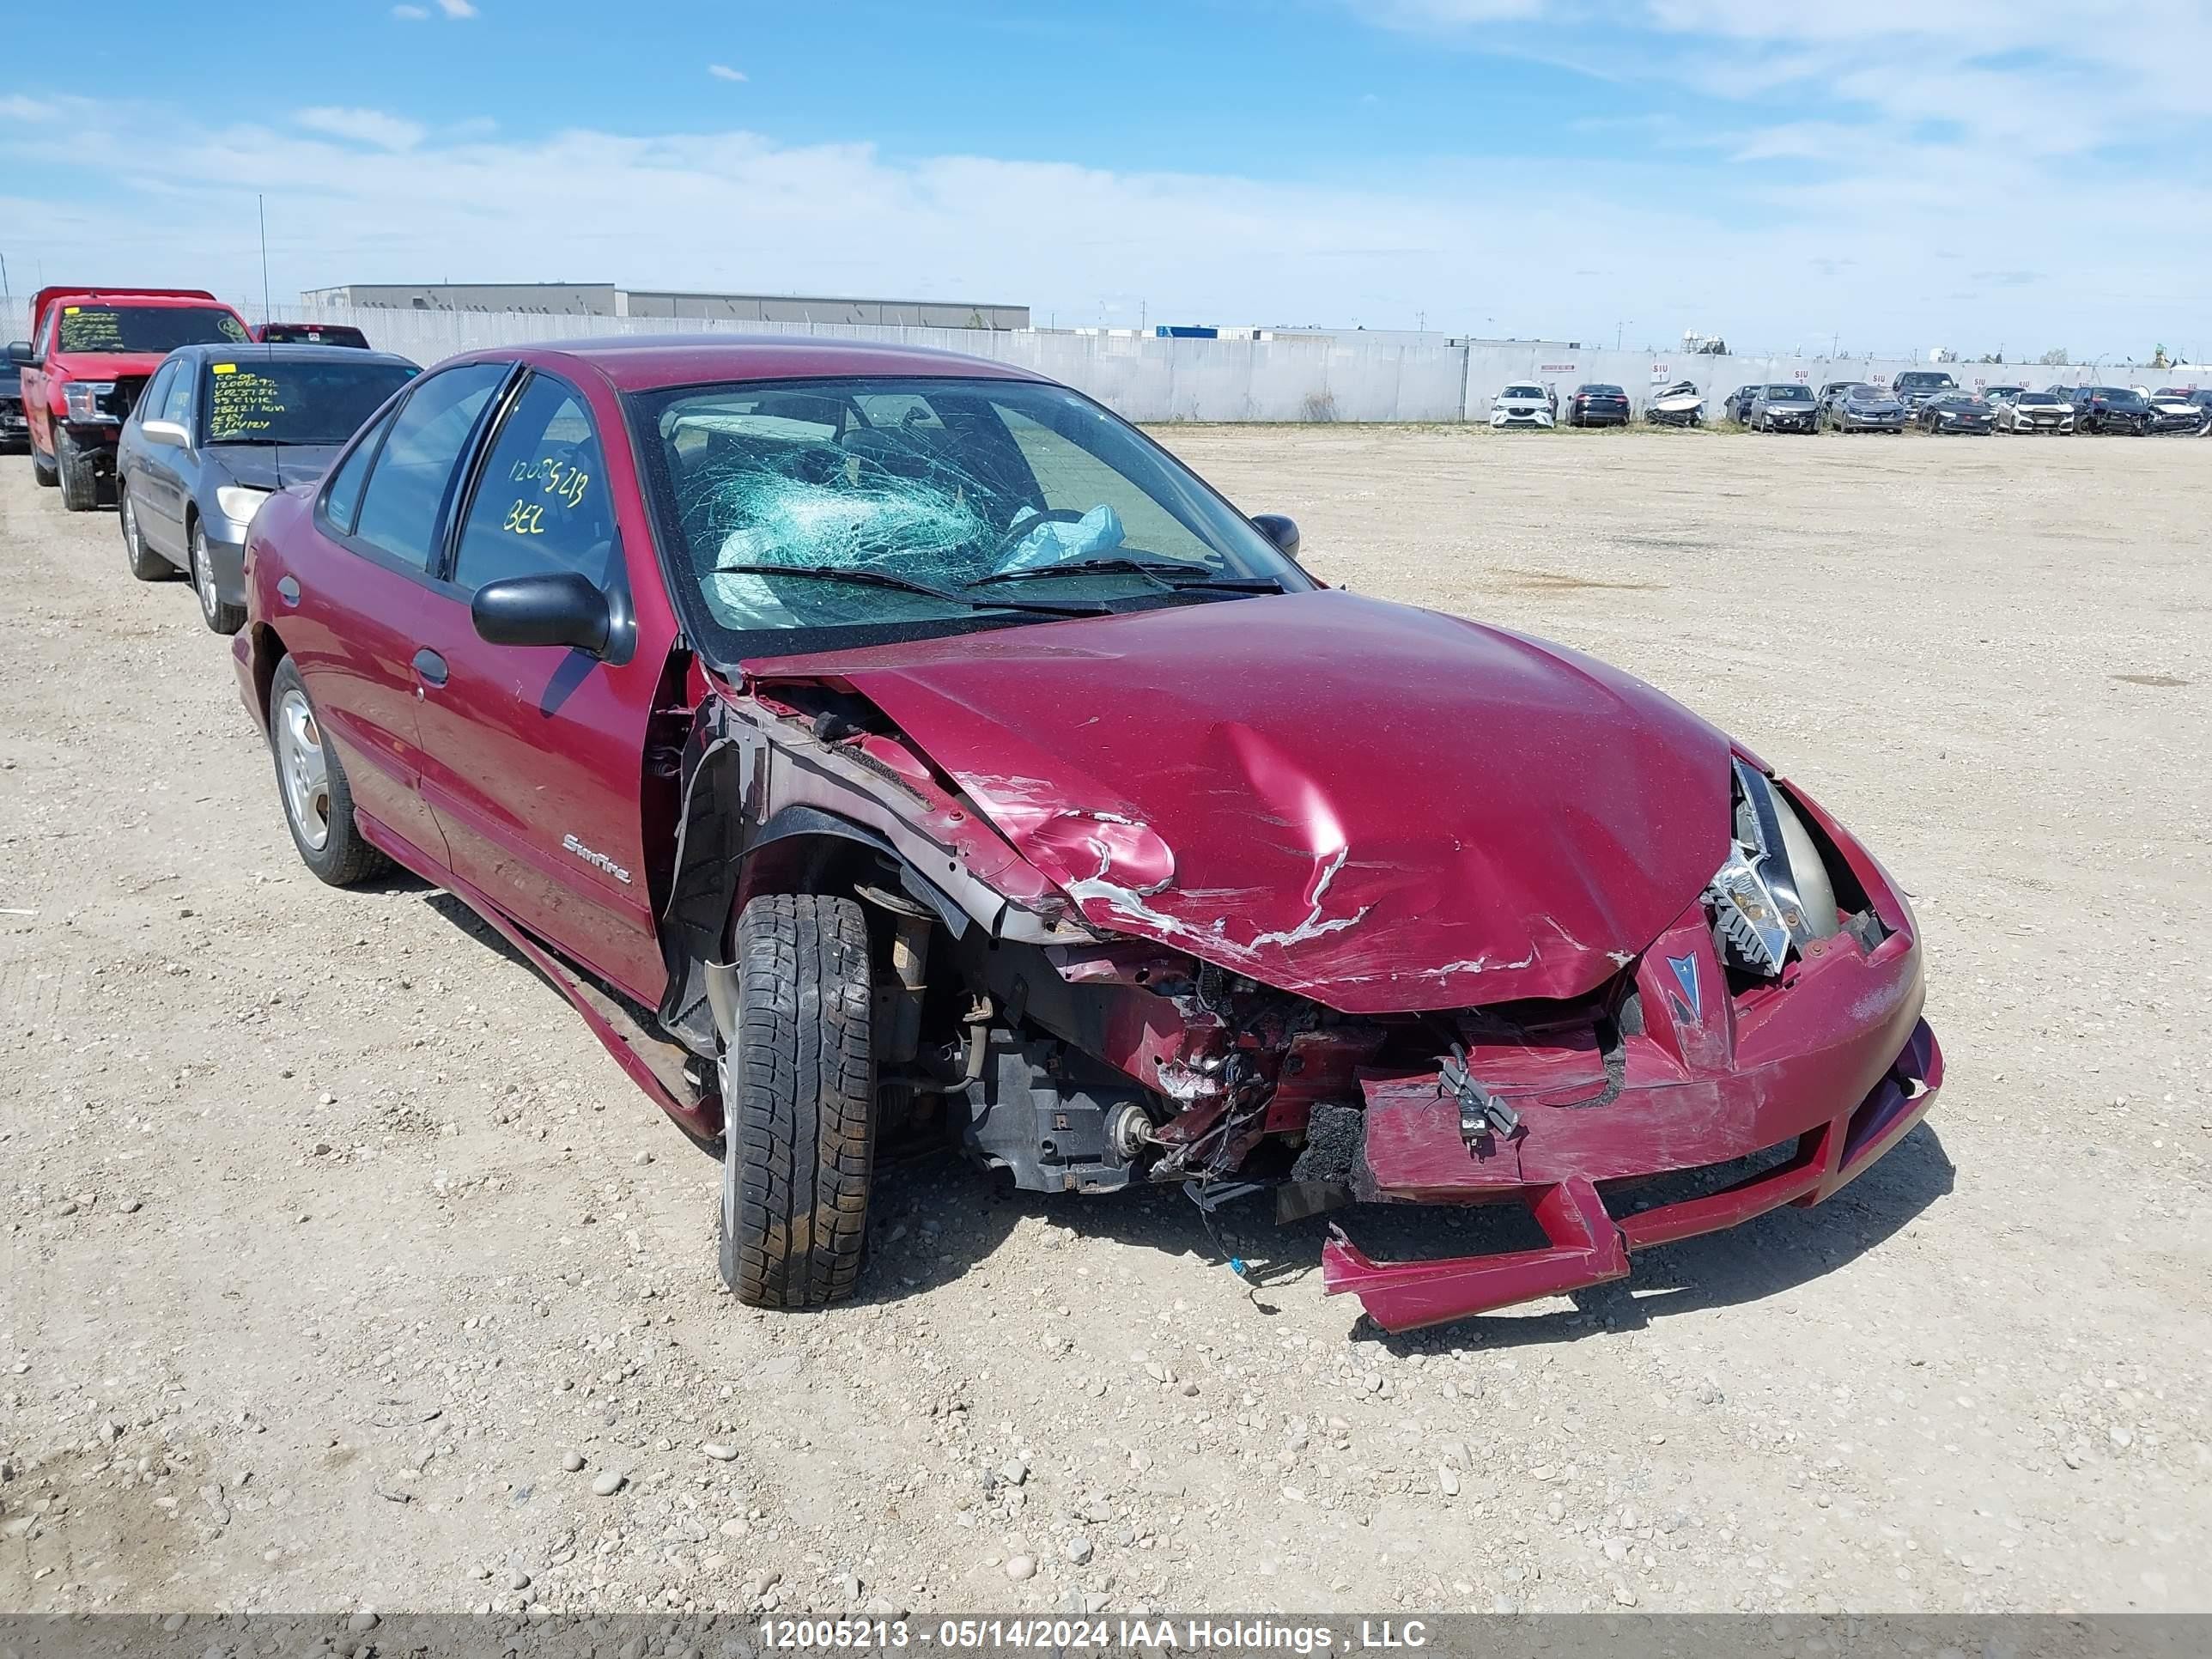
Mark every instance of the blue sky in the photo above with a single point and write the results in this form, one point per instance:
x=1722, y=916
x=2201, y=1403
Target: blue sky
x=1897, y=175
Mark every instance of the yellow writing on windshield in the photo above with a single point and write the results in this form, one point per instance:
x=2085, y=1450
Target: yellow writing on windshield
x=90, y=331
x=242, y=404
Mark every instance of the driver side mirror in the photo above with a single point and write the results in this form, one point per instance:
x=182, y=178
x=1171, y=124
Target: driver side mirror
x=19, y=353
x=1280, y=530
x=562, y=608
x=165, y=432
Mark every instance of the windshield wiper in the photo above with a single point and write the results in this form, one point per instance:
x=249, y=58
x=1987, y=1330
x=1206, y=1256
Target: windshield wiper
x=1162, y=571
x=859, y=577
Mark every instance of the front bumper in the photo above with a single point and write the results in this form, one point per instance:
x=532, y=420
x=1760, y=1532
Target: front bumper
x=1589, y=1245
x=95, y=442
x=1847, y=421
x=1504, y=418
x=1776, y=422
x=1816, y=1075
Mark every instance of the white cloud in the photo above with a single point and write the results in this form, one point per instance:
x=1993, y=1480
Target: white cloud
x=724, y=72
x=1539, y=249
x=410, y=13
x=457, y=8
x=363, y=126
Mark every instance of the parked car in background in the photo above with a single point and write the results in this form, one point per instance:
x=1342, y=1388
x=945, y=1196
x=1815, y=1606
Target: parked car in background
x=2112, y=408
x=1737, y=404
x=1784, y=406
x=1679, y=404
x=90, y=353
x=330, y=334
x=1955, y=413
x=216, y=431
x=1915, y=386
x=2036, y=411
x=1522, y=404
x=2198, y=398
x=2173, y=411
x=1994, y=395
x=14, y=427
x=1862, y=408
x=1594, y=403
x=795, y=707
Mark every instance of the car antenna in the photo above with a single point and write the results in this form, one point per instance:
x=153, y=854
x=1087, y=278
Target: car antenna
x=268, y=352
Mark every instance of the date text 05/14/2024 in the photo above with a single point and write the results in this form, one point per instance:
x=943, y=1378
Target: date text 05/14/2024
x=1154, y=1635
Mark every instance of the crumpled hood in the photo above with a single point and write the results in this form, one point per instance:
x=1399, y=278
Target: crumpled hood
x=1378, y=807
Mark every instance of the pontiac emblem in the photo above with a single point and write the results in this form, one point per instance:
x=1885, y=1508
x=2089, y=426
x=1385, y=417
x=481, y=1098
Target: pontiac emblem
x=1686, y=975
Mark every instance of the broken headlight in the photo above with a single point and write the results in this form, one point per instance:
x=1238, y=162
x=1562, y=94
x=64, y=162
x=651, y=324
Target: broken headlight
x=1772, y=894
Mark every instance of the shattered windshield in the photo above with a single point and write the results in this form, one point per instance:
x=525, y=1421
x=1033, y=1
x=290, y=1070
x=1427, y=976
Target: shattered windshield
x=891, y=508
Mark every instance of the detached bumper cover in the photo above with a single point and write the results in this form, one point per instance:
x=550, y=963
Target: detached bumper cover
x=1814, y=1075
x=1587, y=1245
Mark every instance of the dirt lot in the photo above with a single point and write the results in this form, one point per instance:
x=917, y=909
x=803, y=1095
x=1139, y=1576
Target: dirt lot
x=333, y=1240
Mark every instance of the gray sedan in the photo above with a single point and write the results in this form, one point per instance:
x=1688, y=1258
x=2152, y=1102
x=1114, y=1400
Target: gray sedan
x=217, y=430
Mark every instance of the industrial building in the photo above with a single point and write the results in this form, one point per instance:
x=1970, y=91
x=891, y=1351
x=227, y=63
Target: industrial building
x=606, y=299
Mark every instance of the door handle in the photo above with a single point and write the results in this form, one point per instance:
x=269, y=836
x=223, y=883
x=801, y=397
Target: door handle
x=431, y=666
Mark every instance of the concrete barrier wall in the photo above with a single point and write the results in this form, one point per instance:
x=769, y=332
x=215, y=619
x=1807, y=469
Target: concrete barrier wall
x=1321, y=378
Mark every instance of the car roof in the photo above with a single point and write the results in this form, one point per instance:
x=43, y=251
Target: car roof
x=285, y=351
x=650, y=362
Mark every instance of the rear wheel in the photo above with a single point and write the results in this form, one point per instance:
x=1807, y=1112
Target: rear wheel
x=221, y=617
x=80, y=484
x=312, y=784
x=798, y=1085
x=140, y=560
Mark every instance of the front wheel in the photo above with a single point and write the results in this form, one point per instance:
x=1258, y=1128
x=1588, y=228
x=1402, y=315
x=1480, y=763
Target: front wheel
x=223, y=618
x=312, y=783
x=80, y=484
x=799, y=1088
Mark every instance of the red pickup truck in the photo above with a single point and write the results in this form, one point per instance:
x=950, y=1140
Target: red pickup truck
x=90, y=352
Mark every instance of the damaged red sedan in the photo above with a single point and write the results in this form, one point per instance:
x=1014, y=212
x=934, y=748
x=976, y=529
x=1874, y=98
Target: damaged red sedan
x=879, y=746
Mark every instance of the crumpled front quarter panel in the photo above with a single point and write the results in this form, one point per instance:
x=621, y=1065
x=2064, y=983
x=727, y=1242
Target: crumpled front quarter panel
x=1378, y=807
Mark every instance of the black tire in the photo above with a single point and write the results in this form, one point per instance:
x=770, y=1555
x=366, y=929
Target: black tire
x=343, y=858
x=43, y=469
x=80, y=484
x=140, y=560
x=798, y=1104
x=221, y=617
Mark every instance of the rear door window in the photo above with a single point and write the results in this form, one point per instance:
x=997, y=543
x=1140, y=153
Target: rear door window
x=402, y=507
x=342, y=499
x=541, y=503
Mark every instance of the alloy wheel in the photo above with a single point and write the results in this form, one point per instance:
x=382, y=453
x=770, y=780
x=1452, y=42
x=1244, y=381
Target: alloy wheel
x=305, y=768
x=204, y=577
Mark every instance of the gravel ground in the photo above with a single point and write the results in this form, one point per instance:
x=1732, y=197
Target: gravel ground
x=343, y=1271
